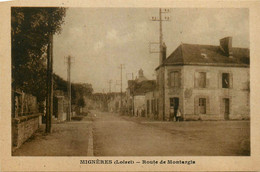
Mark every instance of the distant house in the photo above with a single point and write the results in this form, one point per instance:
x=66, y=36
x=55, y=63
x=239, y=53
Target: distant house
x=136, y=93
x=60, y=106
x=114, y=102
x=152, y=104
x=204, y=82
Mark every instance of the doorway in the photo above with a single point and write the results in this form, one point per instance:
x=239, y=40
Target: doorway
x=174, y=105
x=226, y=108
x=202, y=105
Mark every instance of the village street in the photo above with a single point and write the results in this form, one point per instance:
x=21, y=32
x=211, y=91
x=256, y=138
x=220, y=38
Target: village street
x=109, y=134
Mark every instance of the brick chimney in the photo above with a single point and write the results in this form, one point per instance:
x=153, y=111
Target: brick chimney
x=226, y=46
x=140, y=73
x=163, y=57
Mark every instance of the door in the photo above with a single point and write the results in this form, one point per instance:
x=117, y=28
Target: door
x=226, y=108
x=202, y=105
x=174, y=105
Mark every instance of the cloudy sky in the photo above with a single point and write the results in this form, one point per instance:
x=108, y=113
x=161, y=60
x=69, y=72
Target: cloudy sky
x=100, y=39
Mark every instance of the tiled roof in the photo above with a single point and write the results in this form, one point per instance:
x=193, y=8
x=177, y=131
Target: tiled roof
x=193, y=54
x=145, y=86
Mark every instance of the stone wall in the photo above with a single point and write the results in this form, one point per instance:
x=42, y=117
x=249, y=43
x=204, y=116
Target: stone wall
x=23, y=128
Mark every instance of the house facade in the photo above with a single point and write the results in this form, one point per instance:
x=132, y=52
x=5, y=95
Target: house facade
x=204, y=82
x=136, y=94
x=152, y=103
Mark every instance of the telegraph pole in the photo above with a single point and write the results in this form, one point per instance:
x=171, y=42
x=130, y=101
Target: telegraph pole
x=69, y=85
x=109, y=85
x=160, y=20
x=49, y=82
x=132, y=89
x=122, y=66
x=161, y=73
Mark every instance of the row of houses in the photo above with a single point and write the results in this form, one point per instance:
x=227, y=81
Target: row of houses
x=201, y=81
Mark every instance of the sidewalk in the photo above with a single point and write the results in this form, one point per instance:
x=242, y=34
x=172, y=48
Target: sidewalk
x=67, y=139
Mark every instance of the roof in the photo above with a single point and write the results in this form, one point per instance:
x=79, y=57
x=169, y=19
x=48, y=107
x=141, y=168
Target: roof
x=140, y=79
x=209, y=55
x=145, y=86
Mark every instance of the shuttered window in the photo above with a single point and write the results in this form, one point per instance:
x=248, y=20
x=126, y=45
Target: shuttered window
x=225, y=80
x=200, y=80
x=175, y=79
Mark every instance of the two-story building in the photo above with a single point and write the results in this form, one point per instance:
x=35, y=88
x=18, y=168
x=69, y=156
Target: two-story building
x=136, y=94
x=204, y=82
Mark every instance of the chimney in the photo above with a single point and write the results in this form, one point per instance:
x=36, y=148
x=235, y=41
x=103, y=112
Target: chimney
x=226, y=46
x=163, y=56
x=140, y=73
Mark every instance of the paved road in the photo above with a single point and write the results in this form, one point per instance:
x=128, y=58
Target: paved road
x=115, y=135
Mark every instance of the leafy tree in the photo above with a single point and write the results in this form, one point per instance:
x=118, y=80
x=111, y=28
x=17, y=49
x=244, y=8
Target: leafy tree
x=79, y=90
x=81, y=102
x=59, y=83
x=30, y=28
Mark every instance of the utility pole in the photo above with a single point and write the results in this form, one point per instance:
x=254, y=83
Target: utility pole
x=160, y=20
x=121, y=67
x=161, y=72
x=109, y=85
x=132, y=89
x=49, y=82
x=69, y=86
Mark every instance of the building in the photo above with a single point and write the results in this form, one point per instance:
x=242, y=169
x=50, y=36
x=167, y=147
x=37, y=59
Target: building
x=136, y=94
x=114, y=103
x=152, y=104
x=204, y=82
x=60, y=106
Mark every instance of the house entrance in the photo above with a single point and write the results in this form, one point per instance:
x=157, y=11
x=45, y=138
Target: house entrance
x=174, y=105
x=202, y=106
x=226, y=108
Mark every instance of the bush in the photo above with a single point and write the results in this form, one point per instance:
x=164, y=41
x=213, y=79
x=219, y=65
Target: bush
x=77, y=118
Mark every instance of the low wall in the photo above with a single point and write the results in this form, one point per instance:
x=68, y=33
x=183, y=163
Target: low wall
x=215, y=117
x=23, y=128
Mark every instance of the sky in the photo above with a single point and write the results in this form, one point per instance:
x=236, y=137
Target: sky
x=100, y=39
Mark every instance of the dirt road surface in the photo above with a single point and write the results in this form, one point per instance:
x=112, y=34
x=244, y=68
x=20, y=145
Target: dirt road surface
x=115, y=135
x=109, y=134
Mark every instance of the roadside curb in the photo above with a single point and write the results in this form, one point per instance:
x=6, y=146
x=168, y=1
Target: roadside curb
x=90, y=151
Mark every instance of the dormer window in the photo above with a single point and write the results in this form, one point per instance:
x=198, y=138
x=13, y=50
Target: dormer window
x=204, y=55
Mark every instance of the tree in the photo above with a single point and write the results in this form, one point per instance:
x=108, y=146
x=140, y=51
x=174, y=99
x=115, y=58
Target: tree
x=81, y=102
x=30, y=28
x=79, y=90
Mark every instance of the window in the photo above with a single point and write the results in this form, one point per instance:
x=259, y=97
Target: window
x=225, y=80
x=157, y=81
x=157, y=105
x=174, y=79
x=148, y=106
x=153, y=105
x=200, y=80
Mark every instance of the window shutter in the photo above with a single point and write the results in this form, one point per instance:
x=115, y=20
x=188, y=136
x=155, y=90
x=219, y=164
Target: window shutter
x=230, y=80
x=207, y=106
x=196, y=105
x=179, y=79
x=196, y=80
x=207, y=80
